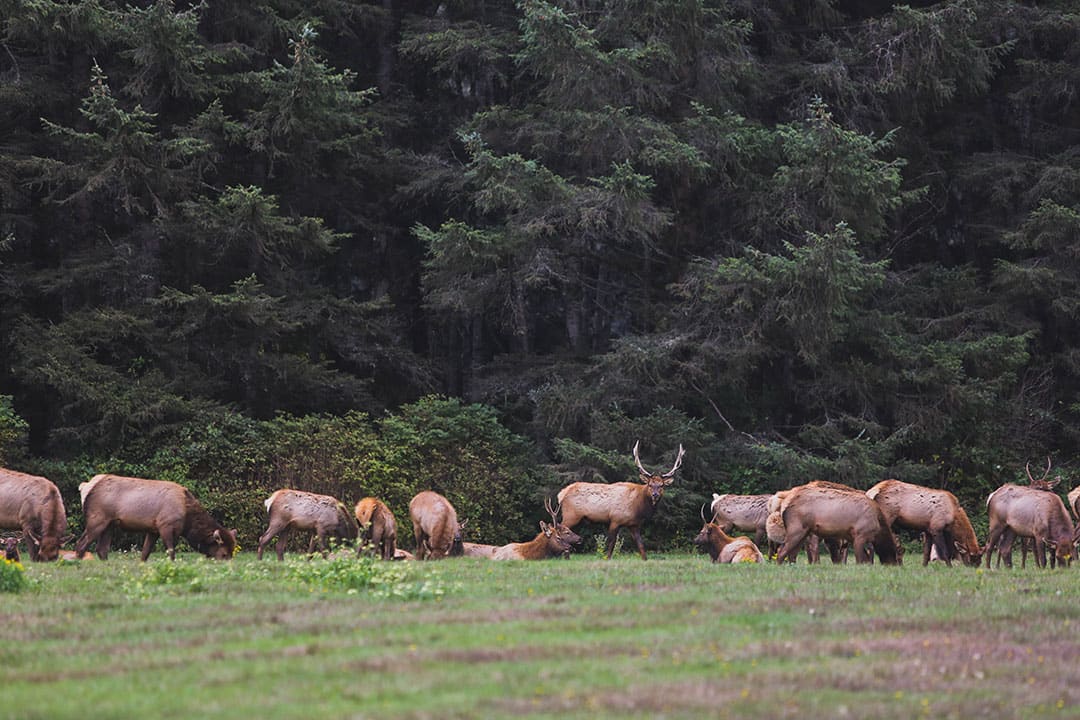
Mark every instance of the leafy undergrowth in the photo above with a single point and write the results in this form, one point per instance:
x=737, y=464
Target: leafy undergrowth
x=675, y=637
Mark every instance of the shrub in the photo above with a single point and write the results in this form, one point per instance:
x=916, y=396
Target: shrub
x=13, y=430
x=12, y=576
x=366, y=574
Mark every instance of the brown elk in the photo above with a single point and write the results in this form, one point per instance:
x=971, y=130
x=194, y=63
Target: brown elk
x=618, y=505
x=33, y=505
x=934, y=513
x=436, y=528
x=745, y=513
x=153, y=507
x=552, y=540
x=292, y=510
x=1027, y=512
x=378, y=528
x=838, y=513
x=1008, y=537
x=9, y=548
x=723, y=548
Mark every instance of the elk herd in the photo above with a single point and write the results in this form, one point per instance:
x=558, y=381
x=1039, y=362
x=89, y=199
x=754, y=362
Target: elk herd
x=783, y=523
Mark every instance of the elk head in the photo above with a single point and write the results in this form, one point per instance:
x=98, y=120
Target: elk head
x=565, y=537
x=654, y=483
x=1042, y=483
x=703, y=536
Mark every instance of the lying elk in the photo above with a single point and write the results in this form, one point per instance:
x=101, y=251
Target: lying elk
x=553, y=540
x=33, y=505
x=618, y=505
x=723, y=548
x=835, y=513
x=1026, y=512
x=153, y=507
x=435, y=526
x=292, y=510
x=934, y=513
x=378, y=528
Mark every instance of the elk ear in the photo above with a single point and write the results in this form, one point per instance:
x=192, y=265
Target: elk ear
x=668, y=481
x=545, y=528
x=960, y=548
x=217, y=537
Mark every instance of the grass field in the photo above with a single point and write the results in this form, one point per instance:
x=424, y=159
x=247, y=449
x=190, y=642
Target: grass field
x=672, y=637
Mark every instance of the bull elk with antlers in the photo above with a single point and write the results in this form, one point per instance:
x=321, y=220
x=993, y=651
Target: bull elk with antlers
x=618, y=505
x=552, y=540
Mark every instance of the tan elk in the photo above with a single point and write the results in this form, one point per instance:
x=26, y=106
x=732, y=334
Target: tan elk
x=934, y=513
x=552, y=540
x=618, y=505
x=436, y=528
x=838, y=513
x=33, y=505
x=1008, y=537
x=745, y=513
x=1016, y=510
x=378, y=528
x=153, y=507
x=322, y=515
x=723, y=548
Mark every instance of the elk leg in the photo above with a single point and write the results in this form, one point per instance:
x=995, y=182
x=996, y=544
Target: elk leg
x=991, y=542
x=1005, y=546
x=612, y=536
x=941, y=544
x=812, y=546
x=834, y=550
x=32, y=546
x=795, y=536
x=282, y=541
x=275, y=528
x=636, y=532
x=148, y=545
x=1040, y=552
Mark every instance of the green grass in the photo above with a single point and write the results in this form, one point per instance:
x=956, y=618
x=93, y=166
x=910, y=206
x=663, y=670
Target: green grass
x=675, y=637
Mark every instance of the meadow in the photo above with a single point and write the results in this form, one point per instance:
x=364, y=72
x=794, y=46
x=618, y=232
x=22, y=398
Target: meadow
x=672, y=637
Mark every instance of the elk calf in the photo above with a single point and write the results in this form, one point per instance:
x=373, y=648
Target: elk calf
x=618, y=505
x=377, y=526
x=291, y=510
x=435, y=526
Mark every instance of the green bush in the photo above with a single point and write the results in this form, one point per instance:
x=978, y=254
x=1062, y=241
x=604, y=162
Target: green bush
x=13, y=430
x=12, y=576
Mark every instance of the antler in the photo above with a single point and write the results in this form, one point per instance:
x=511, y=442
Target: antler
x=677, y=465
x=553, y=512
x=1041, y=483
x=640, y=467
x=703, y=512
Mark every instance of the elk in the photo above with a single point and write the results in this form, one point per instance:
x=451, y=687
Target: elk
x=33, y=505
x=435, y=526
x=724, y=548
x=618, y=505
x=153, y=507
x=377, y=525
x=290, y=510
x=1008, y=537
x=478, y=550
x=745, y=513
x=9, y=548
x=934, y=513
x=552, y=540
x=1027, y=512
x=839, y=513
x=1074, y=501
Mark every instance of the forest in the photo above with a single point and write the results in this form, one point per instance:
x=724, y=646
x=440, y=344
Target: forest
x=484, y=246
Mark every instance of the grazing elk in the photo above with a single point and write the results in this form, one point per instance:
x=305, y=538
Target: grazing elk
x=723, y=548
x=552, y=540
x=934, y=513
x=378, y=528
x=33, y=505
x=835, y=512
x=618, y=505
x=435, y=526
x=1027, y=512
x=291, y=510
x=153, y=507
